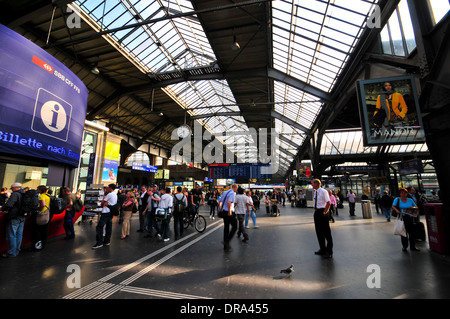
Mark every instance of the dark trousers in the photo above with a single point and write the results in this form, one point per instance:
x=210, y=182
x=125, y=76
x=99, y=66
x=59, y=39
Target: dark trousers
x=241, y=228
x=105, y=220
x=351, y=207
x=323, y=231
x=227, y=233
x=39, y=233
x=141, y=218
x=411, y=231
x=68, y=223
x=178, y=224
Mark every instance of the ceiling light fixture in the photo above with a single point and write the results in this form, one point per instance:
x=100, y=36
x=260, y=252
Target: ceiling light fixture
x=235, y=46
x=95, y=70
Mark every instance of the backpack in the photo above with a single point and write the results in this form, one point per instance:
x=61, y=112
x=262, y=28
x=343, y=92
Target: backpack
x=3, y=199
x=179, y=206
x=57, y=205
x=30, y=202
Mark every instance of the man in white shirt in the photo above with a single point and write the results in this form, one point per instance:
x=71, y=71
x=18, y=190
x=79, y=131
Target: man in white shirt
x=351, y=202
x=321, y=220
x=110, y=199
x=166, y=202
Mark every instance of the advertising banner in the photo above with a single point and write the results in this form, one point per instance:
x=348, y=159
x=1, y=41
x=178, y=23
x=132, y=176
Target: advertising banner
x=389, y=111
x=111, y=163
x=42, y=103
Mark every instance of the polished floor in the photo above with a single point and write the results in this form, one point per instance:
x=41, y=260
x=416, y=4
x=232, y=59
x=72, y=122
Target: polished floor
x=368, y=263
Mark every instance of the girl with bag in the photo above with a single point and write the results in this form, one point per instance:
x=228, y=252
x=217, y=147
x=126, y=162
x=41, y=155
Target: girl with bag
x=399, y=206
x=40, y=224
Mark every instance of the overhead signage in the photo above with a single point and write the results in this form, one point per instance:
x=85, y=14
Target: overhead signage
x=239, y=171
x=410, y=167
x=357, y=168
x=42, y=103
x=145, y=168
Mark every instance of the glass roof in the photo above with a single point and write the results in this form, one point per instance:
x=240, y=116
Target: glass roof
x=312, y=42
x=172, y=45
x=346, y=142
x=313, y=39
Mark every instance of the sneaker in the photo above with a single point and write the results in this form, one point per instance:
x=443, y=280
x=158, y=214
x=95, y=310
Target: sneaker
x=107, y=243
x=166, y=239
x=256, y=227
x=97, y=245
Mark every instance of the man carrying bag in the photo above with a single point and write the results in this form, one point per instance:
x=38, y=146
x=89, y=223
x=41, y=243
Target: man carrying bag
x=225, y=212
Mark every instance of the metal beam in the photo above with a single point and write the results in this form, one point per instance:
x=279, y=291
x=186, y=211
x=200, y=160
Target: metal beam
x=244, y=74
x=290, y=122
x=196, y=117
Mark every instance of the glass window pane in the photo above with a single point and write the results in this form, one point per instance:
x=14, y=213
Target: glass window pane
x=386, y=41
x=396, y=35
x=408, y=30
x=439, y=9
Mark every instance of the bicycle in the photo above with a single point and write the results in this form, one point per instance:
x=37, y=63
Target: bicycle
x=196, y=220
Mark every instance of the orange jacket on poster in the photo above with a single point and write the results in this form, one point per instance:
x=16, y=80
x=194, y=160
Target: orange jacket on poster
x=397, y=100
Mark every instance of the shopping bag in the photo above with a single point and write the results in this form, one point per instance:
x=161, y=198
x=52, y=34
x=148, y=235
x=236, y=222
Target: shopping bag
x=399, y=227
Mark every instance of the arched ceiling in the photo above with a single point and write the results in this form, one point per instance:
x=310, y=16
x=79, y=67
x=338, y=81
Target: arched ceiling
x=166, y=63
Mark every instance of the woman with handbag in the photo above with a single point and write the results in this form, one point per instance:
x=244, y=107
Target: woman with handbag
x=399, y=206
x=41, y=220
x=127, y=206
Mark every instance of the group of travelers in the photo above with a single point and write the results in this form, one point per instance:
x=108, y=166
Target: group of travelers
x=16, y=209
x=236, y=206
x=147, y=204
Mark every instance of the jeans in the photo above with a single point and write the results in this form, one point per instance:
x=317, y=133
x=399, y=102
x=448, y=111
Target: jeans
x=14, y=234
x=247, y=217
x=178, y=225
x=165, y=227
x=151, y=222
x=241, y=228
x=386, y=211
x=68, y=223
x=105, y=220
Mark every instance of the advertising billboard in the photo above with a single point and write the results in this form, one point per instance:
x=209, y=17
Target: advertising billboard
x=111, y=162
x=389, y=111
x=42, y=103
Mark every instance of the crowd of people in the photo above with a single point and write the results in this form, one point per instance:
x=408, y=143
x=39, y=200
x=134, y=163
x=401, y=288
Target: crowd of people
x=236, y=206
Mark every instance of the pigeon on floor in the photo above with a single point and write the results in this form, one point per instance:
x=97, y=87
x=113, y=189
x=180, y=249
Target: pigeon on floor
x=288, y=271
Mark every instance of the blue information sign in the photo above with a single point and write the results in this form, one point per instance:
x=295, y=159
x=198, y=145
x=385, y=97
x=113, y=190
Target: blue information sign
x=42, y=103
x=145, y=168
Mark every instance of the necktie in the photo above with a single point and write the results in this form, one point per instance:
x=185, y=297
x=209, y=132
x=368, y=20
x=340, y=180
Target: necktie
x=315, y=201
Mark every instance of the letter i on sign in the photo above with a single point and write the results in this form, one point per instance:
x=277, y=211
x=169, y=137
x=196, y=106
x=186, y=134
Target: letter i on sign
x=55, y=116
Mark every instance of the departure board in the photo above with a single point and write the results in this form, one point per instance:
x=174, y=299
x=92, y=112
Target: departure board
x=239, y=171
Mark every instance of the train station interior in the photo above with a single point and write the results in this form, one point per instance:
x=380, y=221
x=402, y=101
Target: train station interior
x=266, y=94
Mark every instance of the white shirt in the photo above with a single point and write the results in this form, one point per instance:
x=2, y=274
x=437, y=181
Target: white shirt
x=241, y=204
x=322, y=198
x=111, y=198
x=166, y=201
x=351, y=197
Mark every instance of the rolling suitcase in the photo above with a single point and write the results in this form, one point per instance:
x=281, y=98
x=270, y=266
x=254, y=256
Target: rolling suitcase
x=420, y=231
